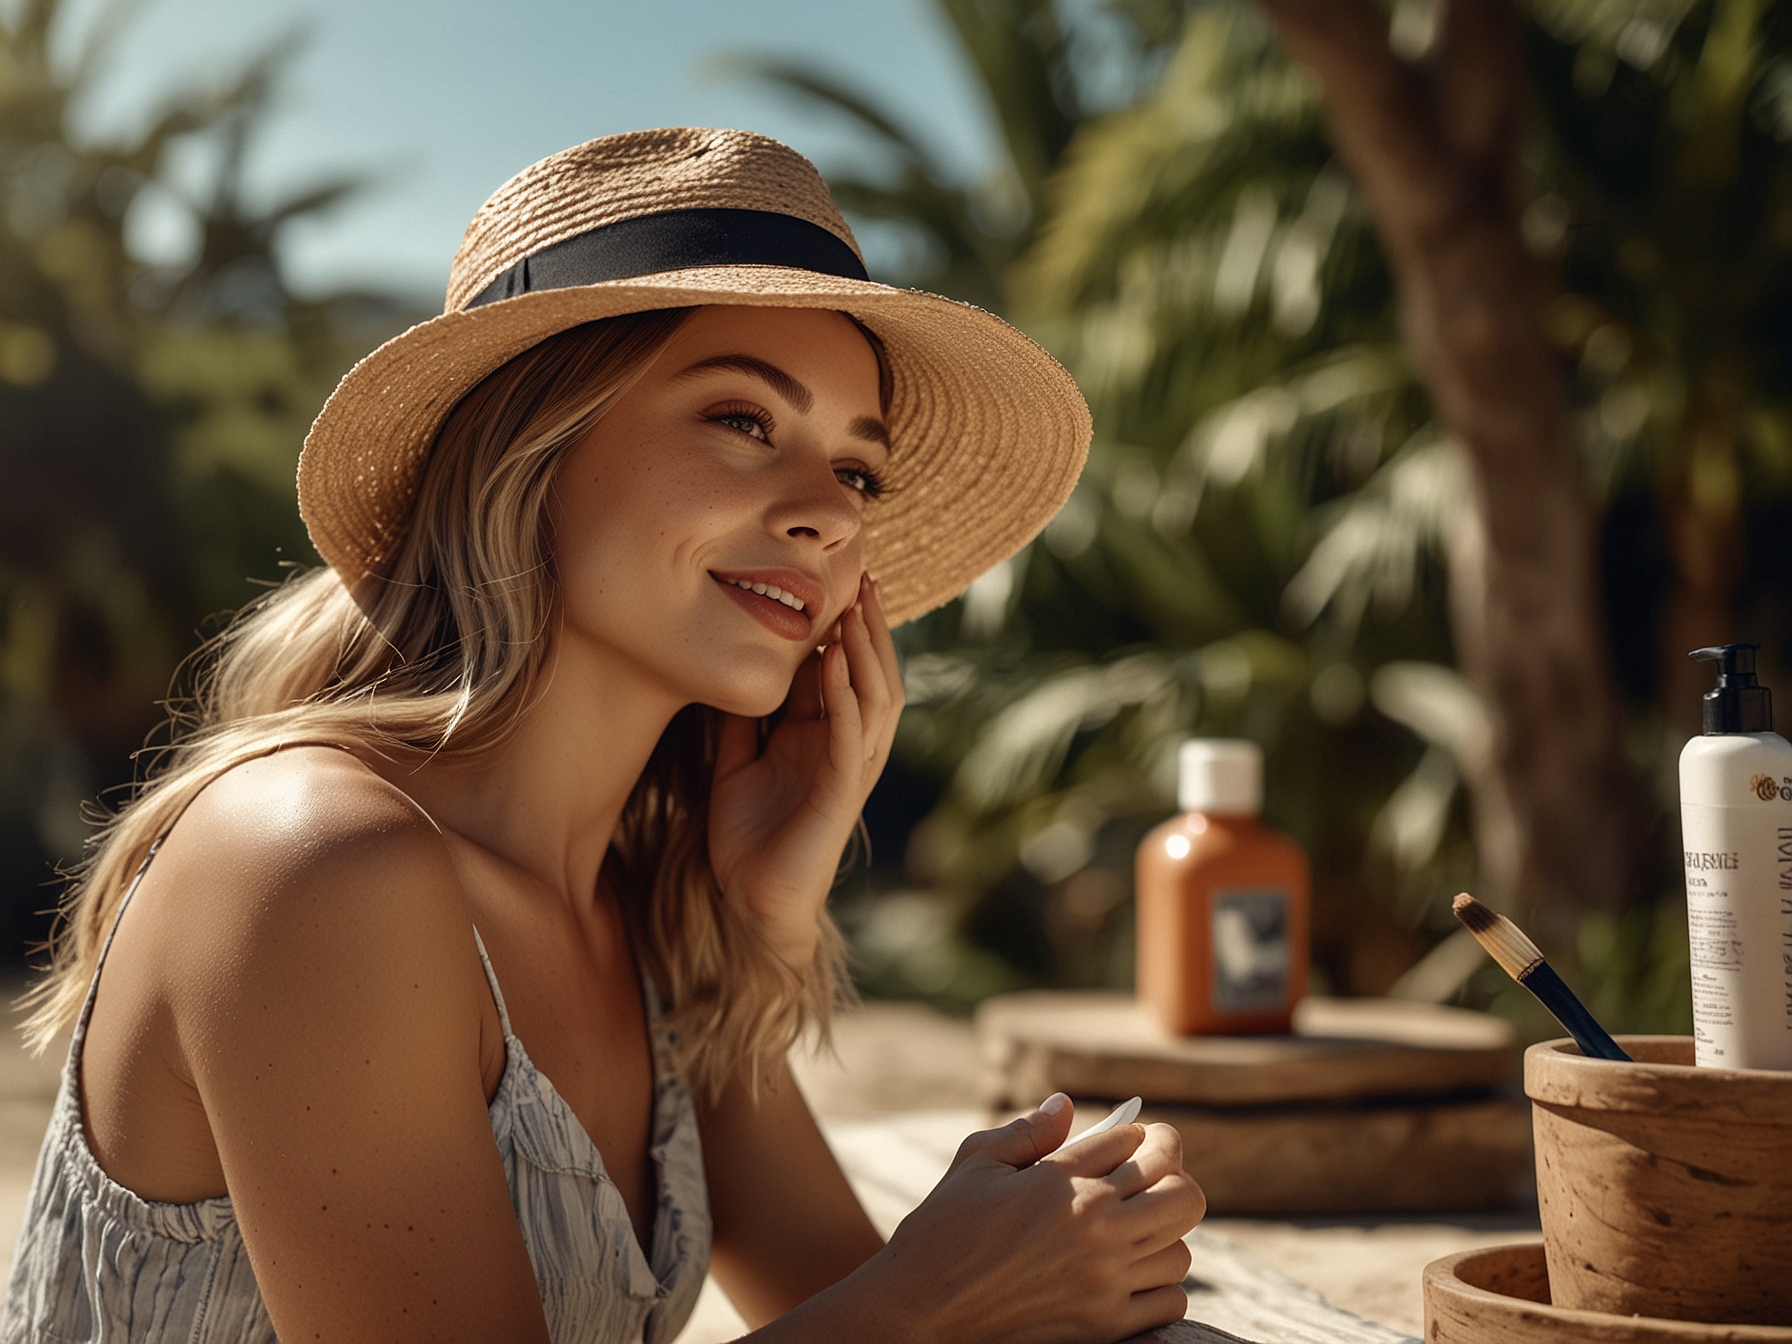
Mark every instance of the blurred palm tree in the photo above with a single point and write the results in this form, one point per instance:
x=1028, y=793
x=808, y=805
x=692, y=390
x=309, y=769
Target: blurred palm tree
x=1053, y=696
x=150, y=420
x=1263, y=539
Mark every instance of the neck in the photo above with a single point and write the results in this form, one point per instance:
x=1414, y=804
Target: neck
x=548, y=799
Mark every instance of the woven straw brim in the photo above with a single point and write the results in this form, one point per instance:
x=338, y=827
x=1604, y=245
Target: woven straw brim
x=988, y=431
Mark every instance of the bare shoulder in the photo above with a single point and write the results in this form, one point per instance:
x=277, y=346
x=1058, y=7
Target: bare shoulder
x=302, y=872
x=303, y=806
x=323, y=999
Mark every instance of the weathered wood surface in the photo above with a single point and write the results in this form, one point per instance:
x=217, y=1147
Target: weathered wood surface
x=1665, y=1190
x=1502, y=1295
x=893, y=1162
x=1186, y=1332
x=1106, y=1045
x=1449, y=1157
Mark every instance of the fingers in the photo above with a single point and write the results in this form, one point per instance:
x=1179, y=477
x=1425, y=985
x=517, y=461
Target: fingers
x=1165, y=1213
x=1100, y=1155
x=1155, y=1308
x=880, y=639
x=1022, y=1142
x=1158, y=1154
x=845, y=731
x=876, y=676
x=1162, y=1268
x=869, y=679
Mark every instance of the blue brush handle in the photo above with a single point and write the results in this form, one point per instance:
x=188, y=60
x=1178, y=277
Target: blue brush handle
x=1594, y=1041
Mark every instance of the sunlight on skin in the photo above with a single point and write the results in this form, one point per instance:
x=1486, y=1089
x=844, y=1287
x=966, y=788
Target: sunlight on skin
x=745, y=456
x=720, y=471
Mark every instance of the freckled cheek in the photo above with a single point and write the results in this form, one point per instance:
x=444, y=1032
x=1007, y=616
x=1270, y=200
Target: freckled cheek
x=632, y=549
x=700, y=517
x=633, y=526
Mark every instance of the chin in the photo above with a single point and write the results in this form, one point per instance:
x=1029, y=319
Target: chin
x=750, y=683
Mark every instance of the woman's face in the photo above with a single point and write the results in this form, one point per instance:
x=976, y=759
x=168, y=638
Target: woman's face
x=743, y=460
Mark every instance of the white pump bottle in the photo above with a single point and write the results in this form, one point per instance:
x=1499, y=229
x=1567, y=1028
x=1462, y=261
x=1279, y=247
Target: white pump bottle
x=1736, y=820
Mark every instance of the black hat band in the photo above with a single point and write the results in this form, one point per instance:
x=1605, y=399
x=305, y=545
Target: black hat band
x=675, y=241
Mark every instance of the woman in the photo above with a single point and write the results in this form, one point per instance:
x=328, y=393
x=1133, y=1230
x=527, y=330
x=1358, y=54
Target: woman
x=490, y=865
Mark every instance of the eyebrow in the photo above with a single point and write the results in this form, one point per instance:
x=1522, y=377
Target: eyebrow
x=871, y=429
x=796, y=393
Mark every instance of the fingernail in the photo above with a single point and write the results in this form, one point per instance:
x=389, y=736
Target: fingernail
x=1053, y=1104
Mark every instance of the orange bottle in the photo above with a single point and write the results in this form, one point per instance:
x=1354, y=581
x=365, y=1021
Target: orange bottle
x=1223, y=903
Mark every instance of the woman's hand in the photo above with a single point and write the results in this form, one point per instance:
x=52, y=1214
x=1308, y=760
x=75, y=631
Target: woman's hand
x=779, y=820
x=1026, y=1240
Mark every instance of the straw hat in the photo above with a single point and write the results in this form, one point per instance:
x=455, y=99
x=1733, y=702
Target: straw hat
x=988, y=432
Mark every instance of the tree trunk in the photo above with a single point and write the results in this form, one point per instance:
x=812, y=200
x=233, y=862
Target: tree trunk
x=1433, y=145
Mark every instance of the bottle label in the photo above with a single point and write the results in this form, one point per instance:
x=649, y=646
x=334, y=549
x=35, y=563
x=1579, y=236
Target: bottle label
x=1250, y=950
x=1739, y=917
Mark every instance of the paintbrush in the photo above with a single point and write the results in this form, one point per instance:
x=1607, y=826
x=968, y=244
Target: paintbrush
x=1519, y=958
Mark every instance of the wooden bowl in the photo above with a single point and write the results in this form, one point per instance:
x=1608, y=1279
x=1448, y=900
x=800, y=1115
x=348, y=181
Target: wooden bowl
x=1665, y=1190
x=1502, y=1294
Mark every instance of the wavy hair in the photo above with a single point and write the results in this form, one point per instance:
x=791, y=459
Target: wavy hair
x=444, y=656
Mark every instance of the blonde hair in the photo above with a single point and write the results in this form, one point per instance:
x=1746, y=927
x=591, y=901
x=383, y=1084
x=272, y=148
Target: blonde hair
x=444, y=655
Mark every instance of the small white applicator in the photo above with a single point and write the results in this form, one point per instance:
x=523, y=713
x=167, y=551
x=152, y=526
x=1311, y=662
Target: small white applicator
x=1123, y=1114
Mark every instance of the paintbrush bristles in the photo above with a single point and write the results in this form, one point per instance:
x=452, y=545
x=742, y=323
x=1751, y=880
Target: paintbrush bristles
x=1504, y=940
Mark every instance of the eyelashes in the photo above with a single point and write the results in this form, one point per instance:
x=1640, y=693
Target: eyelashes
x=866, y=481
x=756, y=423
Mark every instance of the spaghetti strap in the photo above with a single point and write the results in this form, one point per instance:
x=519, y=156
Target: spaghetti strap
x=93, y=986
x=491, y=978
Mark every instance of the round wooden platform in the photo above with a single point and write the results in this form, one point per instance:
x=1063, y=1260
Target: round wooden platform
x=1105, y=1045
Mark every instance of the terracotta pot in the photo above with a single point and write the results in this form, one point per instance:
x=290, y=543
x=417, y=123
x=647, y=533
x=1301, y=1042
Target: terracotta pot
x=1665, y=1190
x=1500, y=1295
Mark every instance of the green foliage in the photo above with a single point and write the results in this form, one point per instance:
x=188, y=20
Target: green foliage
x=1258, y=545
x=150, y=422
x=1200, y=264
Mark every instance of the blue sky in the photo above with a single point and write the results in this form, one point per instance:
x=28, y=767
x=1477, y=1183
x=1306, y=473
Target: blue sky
x=445, y=99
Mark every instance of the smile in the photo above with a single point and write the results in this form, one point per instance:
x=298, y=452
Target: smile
x=784, y=601
x=790, y=600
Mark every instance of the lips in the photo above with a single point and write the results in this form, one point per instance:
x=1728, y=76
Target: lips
x=785, y=601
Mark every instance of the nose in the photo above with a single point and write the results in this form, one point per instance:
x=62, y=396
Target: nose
x=815, y=507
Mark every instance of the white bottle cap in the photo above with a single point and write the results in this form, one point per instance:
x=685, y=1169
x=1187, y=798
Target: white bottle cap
x=1220, y=775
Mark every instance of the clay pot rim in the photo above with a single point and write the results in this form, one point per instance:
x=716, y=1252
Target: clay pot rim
x=1556, y=1073
x=1443, y=1279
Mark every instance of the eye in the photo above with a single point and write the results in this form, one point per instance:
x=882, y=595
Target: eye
x=866, y=481
x=744, y=418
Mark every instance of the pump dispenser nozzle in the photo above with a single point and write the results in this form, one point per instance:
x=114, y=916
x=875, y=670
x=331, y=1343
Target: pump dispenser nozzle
x=1740, y=704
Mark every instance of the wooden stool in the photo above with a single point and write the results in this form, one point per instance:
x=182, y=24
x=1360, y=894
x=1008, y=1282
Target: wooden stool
x=1370, y=1106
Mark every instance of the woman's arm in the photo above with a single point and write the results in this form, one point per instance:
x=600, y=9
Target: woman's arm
x=787, y=1225
x=327, y=1001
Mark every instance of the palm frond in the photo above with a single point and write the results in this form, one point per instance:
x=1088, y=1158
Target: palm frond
x=1022, y=54
x=1373, y=542
x=1025, y=745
